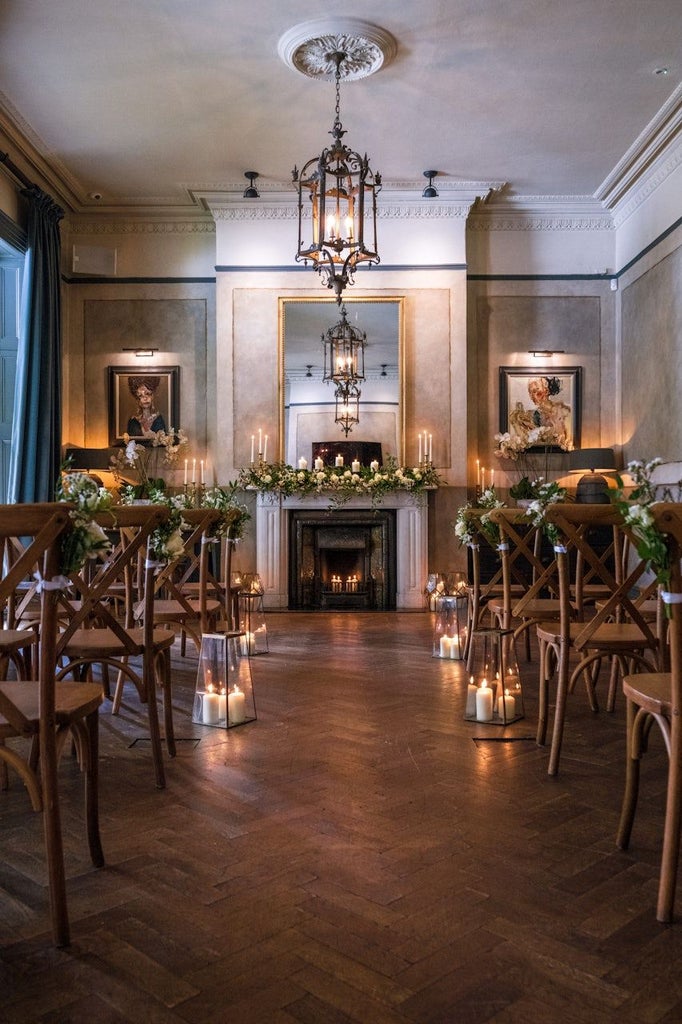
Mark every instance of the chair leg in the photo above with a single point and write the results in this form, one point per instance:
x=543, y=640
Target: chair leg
x=153, y=717
x=633, y=754
x=54, y=852
x=671, y=839
x=164, y=668
x=92, y=790
x=545, y=673
x=559, y=711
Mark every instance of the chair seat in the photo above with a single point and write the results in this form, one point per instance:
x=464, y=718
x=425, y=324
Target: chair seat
x=650, y=690
x=88, y=643
x=618, y=636
x=72, y=702
x=16, y=639
x=175, y=611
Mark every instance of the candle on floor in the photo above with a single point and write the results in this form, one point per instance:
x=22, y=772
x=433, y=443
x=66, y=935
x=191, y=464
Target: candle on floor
x=445, y=646
x=472, y=690
x=236, y=706
x=506, y=705
x=484, y=702
x=210, y=708
x=222, y=702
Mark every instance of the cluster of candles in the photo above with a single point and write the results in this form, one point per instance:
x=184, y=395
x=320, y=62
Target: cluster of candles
x=483, y=703
x=202, y=472
x=480, y=476
x=338, y=464
x=425, y=446
x=450, y=647
x=262, y=447
x=350, y=585
x=217, y=705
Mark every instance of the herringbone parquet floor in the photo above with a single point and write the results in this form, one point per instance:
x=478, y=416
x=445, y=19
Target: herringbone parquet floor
x=360, y=853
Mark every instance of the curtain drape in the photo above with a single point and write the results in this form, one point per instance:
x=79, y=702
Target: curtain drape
x=36, y=429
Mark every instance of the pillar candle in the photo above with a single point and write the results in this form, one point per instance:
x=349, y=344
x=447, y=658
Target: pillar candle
x=319, y=464
x=355, y=466
x=506, y=706
x=472, y=690
x=338, y=461
x=222, y=703
x=210, y=710
x=445, y=645
x=302, y=463
x=454, y=647
x=484, y=702
x=374, y=466
x=236, y=706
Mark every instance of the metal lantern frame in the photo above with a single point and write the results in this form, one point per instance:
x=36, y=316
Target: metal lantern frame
x=223, y=695
x=344, y=352
x=347, y=411
x=340, y=190
x=450, y=626
x=494, y=687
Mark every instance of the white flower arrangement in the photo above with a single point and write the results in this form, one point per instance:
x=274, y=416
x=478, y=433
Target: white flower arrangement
x=143, y=459
x=87, y=538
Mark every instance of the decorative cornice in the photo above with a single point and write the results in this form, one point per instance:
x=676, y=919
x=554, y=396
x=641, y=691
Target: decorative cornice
x=653, y=144
x=78, y=226
x=541, y=213
x=657, y=176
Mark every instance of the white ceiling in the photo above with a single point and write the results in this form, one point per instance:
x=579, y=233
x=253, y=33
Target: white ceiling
x=145, y=101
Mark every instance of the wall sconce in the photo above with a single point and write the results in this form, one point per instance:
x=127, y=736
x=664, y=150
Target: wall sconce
x=141, y=353
x=251, y=192
x=545, y=353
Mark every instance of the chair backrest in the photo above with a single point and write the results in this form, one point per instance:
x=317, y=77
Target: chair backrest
x=193, y=567
x=668, y=519
x=138, y=523
x=576, y=523
x=36, y=532
x=524, y=562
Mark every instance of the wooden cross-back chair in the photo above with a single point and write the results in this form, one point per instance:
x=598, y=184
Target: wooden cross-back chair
x=42, y=711
x=184, y=597
x=94, y=635
x=656, y=697
x=481, y=592
x=521, y=544
x=571, y=648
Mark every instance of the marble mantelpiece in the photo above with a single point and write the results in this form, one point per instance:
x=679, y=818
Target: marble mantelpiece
x=272, y=543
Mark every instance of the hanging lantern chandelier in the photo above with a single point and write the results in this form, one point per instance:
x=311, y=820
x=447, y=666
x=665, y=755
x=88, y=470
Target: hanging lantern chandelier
x=347, y=406
x=339, y=190
x=344, y=352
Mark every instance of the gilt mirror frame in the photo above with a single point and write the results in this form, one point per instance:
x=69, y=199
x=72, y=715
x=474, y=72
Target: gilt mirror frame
x=331, y=308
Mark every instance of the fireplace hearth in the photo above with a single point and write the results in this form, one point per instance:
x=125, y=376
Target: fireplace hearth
x=342, y=559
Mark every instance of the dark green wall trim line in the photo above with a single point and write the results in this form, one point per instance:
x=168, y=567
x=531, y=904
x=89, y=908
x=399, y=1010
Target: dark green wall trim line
x=652, y=245
x=363, y=270
x=540, y=277
x=138, y=280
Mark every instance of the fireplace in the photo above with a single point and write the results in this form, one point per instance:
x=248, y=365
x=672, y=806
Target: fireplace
x=342, y=559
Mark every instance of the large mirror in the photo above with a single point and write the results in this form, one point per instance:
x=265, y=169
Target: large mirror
x=307, y=401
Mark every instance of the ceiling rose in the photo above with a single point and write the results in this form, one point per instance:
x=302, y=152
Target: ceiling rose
x=311, y=46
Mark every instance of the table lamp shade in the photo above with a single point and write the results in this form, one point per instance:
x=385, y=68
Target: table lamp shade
x=593, y=488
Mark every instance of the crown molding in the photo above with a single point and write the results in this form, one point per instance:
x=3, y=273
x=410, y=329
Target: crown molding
x=650, y=154
x=541, y=213
x=123, y=225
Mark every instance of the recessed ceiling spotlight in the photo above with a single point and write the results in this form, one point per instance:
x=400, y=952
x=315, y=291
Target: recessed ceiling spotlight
x=662, y=71
x=94, y=195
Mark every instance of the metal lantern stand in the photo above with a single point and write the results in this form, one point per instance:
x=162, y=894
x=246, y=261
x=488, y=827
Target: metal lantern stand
x=494, y=691
x=224, y=694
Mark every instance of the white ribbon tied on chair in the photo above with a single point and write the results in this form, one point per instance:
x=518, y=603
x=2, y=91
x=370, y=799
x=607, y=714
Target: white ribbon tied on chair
x=560, y=549
x=56, y=583
x=670, y=598
x=210, y=540
x=503, y=547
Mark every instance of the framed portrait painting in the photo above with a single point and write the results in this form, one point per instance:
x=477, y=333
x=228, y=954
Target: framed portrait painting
x=543, y=403
x=142, y=400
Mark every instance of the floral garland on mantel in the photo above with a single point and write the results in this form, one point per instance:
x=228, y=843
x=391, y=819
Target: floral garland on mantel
x=339, y=484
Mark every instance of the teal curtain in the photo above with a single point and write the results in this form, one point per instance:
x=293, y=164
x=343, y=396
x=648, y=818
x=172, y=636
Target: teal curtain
x=36, y=428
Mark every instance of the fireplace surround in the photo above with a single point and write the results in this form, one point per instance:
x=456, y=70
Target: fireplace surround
x=408, y=539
